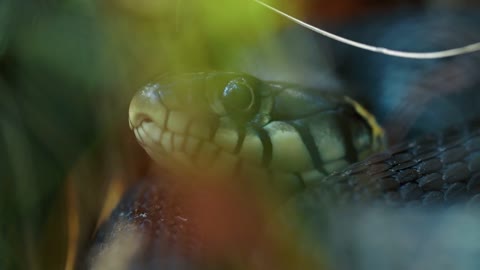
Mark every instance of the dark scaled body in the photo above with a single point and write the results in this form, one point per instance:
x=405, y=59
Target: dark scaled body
x=434, y=170
x=147, y=226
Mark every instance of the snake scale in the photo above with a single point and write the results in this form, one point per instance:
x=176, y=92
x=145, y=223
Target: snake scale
x=299, y=141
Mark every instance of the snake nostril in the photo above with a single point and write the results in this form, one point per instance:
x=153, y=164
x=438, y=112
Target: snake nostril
x=144, y=118
x=147, y=118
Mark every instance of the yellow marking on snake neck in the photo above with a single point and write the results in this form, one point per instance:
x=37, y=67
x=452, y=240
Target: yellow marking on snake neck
x=377, y=130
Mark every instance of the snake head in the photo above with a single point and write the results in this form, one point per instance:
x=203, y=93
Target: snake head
x=238, y=125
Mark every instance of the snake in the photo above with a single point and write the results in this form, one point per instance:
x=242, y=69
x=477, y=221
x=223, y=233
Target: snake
x=239, y=125
x=309, y=146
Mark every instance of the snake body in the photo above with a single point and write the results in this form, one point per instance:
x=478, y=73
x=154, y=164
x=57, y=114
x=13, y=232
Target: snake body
x=300, y=141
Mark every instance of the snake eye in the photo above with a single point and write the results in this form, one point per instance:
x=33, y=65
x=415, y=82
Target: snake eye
x=238, y=96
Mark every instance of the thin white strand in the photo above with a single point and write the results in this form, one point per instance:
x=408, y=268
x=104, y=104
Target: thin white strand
x=413, y=55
